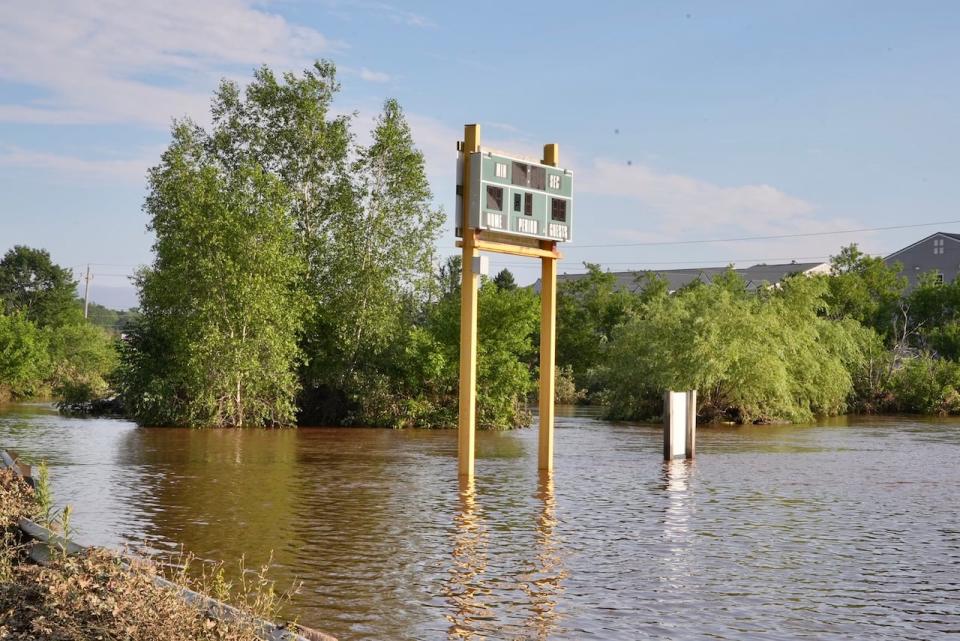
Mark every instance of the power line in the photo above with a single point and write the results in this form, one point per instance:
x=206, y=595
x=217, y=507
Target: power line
x=773, y=237
x=709, y=261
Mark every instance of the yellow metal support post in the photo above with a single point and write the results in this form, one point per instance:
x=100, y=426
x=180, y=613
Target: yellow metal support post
x=466, y=423
x=548, y=335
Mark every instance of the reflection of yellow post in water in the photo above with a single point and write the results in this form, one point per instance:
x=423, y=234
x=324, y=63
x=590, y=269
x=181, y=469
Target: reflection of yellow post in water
x=544, y=584
x=465, y=590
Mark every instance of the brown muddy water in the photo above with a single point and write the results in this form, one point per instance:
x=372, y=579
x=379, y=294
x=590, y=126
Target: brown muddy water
x=842, y=530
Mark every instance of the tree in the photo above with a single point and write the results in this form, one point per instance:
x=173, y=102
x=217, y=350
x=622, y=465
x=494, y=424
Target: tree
x=379, y=266
x=449, y=276
x=865, y=289
x=24, y=361
x=83, y=357
x=112, y=320
x=589, y=308
x=931, y=318
x=44, y=292
x=504, y=279
x=363, y=219
x=217, y=342
x=752, y=357
x=428, y=373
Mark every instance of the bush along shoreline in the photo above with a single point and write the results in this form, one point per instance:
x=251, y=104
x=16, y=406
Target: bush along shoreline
x=855, y=340
x=53, y=589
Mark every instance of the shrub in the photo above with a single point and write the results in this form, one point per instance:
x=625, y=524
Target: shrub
x=753, y=357
x=926, y=385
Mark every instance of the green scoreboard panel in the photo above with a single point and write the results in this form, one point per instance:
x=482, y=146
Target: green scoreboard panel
x=519, y=197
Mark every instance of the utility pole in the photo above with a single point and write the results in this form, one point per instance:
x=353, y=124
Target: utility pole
x=86, y=293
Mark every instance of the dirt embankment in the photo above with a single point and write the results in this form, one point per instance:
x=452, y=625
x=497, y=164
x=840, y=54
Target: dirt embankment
x=95, y=595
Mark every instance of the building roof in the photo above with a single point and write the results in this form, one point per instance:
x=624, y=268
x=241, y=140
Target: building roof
x=955, y=237
x=754, y=276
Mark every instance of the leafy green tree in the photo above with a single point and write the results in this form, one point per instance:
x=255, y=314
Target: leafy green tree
x=589, y=309
x=504, y=279
x=112, y=320
x=83, y=358
x=925, y=385
x=24, y=359
x=217, y=343
x=931, y=319
x=449, y=276
x=428, y=380
x=379, y=266
x=363, y=219
x=752, y=357
x=31, y=283
x=865, y=289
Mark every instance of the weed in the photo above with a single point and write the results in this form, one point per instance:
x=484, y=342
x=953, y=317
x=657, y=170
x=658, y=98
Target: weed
x=98, y=595
x=44, y=496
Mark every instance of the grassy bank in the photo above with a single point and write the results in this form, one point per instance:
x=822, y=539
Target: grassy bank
x=97, y=595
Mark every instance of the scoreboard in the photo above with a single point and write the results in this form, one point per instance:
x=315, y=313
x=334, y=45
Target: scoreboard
x=517, y=197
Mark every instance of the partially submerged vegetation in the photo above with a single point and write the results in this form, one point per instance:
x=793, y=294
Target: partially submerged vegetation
x=295, y=278
x=751, y=357
x=47, y=347
x=295, y=281
x=854, y=340
x=98, y=595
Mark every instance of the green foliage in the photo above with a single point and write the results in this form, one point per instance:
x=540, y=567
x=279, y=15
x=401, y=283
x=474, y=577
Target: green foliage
x=363, y=220
x=932, y=319
x=24, y=357
x=112, y=320
x=377, y=268
x=504, y=279
x=217, y=343
x=865, y=289
x=589, y=308
x=84, y=356
x=505, y=330
x=926, y=385
x=752, y=357
x=428, y=373
x=44, y=495
x=32, y=284
x=565, y=388
x=45, y=343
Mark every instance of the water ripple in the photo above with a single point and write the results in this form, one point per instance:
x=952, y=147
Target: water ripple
x=840, y=530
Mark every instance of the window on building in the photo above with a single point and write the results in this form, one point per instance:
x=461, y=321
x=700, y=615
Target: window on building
x=538, y=178
x=558, y=210
x=500, y=170
x=555, y=181
x=521, y=174
x=494, y=197
x=517, y=203
x=937, y=245
x=528, y=204
x=939, y=278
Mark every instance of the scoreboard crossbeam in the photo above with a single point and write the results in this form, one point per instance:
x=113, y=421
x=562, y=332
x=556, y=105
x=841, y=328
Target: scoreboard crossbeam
x=515, y=250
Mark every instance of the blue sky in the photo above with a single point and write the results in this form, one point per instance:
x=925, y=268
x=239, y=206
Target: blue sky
x=681, y=120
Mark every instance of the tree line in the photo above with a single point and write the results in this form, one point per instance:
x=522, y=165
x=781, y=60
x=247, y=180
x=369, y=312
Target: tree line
x=295, y=281
x=47, y=347
x=295, y=278
x=852, y=340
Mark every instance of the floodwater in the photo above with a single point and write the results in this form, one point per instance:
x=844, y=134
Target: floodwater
x=843, y=530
